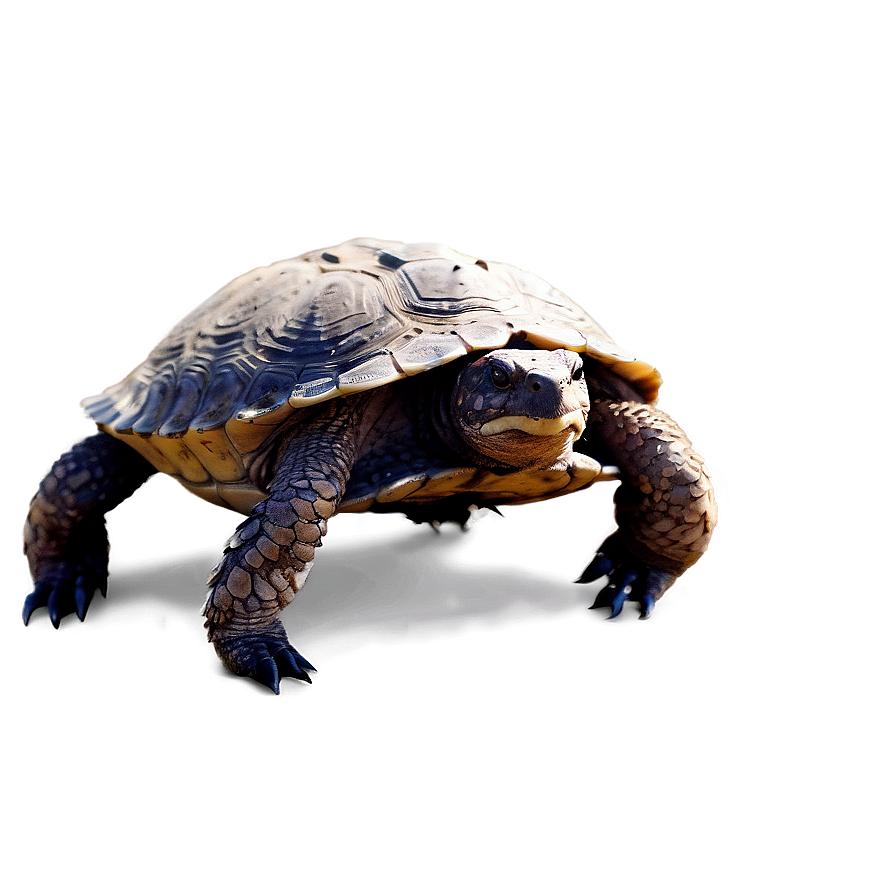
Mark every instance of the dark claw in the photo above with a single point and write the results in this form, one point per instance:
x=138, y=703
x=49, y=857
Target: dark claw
x=265, y=655
x=616, y=605
x=61, y=602
x=68, y=587
x=600, y=566
x=648, y=602
x=80, y=596
x=266, y=672
x=631, y=579
x=37, y=598
x=287, y=661
x=617, y=592
x=303, y=663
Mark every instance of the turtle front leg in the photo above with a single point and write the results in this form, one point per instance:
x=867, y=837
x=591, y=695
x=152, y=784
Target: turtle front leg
x=271, y=553
x=665, y=506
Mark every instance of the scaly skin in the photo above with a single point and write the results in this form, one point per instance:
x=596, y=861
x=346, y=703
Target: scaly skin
x=65, y=532
x=271, y=553
x=665, y=507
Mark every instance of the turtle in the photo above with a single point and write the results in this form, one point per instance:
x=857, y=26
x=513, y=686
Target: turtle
x=372, y=376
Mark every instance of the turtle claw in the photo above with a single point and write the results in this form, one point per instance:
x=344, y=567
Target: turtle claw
x=292, y=660
x=61, y=602
x=630, y=579
x=267, y=673
x=286, y=663
x=600, y=566
x=69, y=588
x=37, y=598
x=617, y=591
x=67, y=571
x=648, y=602
x=80, y=596
x=615, y=603
x=265, y=655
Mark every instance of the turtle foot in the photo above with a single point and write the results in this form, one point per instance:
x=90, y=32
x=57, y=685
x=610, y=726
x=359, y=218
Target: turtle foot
x=67, y=587
x=265, y=655
x=630, y=579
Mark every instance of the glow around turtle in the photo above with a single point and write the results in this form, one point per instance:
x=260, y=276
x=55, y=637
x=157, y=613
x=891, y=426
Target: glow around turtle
x=377, y=376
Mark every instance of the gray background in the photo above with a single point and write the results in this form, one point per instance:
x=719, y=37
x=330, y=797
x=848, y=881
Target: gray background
x=715, y=182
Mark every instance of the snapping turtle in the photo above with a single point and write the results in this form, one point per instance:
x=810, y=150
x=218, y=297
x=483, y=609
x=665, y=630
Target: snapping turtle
x=377, y=376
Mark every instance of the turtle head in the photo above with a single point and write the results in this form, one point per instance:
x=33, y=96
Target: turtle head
x=522, y=408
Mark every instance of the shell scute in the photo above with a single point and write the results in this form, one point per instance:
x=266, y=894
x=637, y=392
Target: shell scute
x=158, y=396
x=214, y=452
x=314, y=391
x=377, y=371
x=482, y=336
x=268, y=392
x=428, y=351
x=221, y=397
x=546, y=335
x=188, y=393
x=442, y=286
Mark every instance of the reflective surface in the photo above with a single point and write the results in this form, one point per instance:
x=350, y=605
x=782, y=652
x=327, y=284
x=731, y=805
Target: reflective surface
x=724, y=174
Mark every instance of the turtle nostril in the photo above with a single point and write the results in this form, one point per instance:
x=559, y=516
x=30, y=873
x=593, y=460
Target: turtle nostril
x=534, y=382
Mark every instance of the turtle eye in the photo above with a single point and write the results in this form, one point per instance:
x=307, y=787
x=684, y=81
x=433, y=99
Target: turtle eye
x=500, y=376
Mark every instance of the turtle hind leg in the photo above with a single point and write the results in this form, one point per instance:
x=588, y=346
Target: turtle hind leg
x=65, y=532
x=463, y=510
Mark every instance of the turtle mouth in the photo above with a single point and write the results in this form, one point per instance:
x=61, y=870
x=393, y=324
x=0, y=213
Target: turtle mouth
x=537, y=426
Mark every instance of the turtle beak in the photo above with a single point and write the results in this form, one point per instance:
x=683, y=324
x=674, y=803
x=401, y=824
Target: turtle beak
x=539, y=426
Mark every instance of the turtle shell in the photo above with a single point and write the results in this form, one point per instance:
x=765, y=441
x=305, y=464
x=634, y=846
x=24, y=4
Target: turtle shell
x=331, y=322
